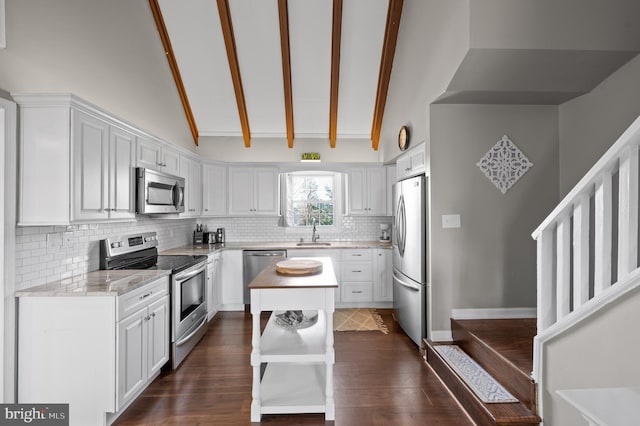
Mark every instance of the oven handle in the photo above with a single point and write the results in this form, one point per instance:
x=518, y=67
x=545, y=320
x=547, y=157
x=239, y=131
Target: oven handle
x=183, y=276
x=190, y=335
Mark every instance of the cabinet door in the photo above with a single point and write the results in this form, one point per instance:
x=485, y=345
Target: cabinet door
x=391, y=179
x=170, y=161
x=149, y=154
x=382, y=280
x=232, y=280
x=132, y=356
x=121, y=174
x=266, y=191
x=356, y=191
x=210, y=289
x=159, y=334
x=195, y=188
x=217, y=282
x=240, y=191
x=90, y=162
x=214, y=190
x=377, y=191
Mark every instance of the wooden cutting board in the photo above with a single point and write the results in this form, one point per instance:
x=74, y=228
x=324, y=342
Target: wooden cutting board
x=299, y=266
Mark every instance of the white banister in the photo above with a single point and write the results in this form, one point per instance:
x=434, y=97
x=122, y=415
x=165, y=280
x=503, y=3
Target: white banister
x=603, y=219
x=563, y=267
x=628, y=212
x=581, y=251
x=568, y=240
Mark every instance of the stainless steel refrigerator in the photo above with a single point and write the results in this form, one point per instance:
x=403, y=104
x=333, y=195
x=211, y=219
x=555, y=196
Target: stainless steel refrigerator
x=409, y=236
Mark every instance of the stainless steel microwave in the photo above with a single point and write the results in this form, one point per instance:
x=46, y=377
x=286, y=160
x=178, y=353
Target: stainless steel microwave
x=158, y=192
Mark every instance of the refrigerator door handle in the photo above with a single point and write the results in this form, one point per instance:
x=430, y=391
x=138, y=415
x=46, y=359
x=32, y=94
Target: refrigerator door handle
x=403, y=226
x=410, y=286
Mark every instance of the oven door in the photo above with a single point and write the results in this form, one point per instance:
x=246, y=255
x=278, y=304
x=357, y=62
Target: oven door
x=189, y=304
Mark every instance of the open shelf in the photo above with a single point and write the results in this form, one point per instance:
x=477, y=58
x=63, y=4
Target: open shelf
x=305, y=345
x=293, y=388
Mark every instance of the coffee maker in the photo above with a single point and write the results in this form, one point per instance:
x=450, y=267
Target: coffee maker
x=385, y=235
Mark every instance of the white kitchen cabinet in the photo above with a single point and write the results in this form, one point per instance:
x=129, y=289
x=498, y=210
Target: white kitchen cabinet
x=253, y=191
x=75, y=163
x=214, y=190
x=96, y=353
x=191, y=171
x=158, y=156
x=391, y=180
x=382, y=275
x=367, y=191
x=214, y=284
x=102, y=170
x=411, y=163
x=357, y=275
x=232, y=295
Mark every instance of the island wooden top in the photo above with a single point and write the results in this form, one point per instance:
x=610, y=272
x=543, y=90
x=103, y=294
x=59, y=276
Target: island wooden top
x=270, y=278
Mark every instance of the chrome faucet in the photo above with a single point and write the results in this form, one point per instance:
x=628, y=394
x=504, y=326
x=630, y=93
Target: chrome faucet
x=314, y=236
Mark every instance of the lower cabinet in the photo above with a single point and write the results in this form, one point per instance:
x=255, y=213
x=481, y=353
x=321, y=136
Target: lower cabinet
x=143, y=348
x=94, y=352
x=214, y=284
x=382, y=275
x=232, y=299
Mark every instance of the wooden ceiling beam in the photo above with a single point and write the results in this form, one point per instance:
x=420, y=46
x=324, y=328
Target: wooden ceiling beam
x=386, y=64
x=336, y=36
x=173, y=65
x=234, y=67
x=283, y=15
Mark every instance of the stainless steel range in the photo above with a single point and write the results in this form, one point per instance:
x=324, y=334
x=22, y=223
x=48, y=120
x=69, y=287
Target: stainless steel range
x=188, y=285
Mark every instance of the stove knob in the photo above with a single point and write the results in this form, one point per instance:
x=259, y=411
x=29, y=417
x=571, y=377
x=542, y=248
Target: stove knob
x=116, y=244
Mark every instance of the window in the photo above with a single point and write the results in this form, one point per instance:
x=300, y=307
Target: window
x=310, y=198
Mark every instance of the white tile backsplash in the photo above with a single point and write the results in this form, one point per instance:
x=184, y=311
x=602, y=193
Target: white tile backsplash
x=51, y=253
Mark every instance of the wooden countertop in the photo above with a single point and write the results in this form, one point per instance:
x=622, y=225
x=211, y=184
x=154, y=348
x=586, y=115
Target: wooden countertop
x=270, y=278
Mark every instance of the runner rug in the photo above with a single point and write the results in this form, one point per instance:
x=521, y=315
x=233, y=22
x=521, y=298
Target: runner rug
x=481, y=383
x=358, y=319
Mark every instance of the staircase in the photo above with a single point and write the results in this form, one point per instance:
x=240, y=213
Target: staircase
x=504, y=348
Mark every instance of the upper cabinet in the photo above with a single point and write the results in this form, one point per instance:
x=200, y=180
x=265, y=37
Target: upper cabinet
x=76, y=165
x=158, y=156
x=214, y=190
x=411, y=163
x=367, y=191
x=191, y=171
x=253, y=191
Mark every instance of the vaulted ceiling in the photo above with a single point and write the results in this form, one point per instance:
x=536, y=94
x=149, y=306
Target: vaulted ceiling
x=278, y=68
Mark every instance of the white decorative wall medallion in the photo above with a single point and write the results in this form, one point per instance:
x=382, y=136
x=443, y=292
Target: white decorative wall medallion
x=504, y=164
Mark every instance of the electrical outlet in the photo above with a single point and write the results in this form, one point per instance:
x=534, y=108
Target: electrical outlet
x=54, y=240
x=67, y=239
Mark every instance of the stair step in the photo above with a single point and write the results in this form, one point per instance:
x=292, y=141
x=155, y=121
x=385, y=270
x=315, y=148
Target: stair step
x=512, y=413
x=504, y=348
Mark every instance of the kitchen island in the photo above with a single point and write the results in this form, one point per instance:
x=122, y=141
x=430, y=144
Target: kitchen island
x=299, y=374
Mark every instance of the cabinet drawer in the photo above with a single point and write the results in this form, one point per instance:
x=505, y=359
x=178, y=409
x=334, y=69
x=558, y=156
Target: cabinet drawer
x=357, y=271
x=356, y=292
x=141, y=297
x=356, y=254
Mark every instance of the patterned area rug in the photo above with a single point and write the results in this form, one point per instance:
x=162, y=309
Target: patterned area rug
x=480, y=382
x=358, y=319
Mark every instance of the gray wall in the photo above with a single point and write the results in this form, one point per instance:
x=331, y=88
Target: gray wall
x=590, y=124
x=490, y=262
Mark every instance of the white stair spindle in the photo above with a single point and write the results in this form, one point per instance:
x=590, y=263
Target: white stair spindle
x=563, y=270
x=546, y=292
x=603, y=219
x=581, y=250
x=628, y=212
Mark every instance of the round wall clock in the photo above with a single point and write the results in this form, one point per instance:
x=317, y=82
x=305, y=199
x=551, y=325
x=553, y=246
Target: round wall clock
x=403, y=138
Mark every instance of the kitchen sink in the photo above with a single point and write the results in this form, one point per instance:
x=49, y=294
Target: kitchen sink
x=309, y=244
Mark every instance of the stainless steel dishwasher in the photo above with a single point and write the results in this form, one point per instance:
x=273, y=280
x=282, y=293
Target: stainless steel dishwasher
x=253, y=262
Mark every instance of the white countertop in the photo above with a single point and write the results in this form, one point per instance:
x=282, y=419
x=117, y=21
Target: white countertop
x=98, y=283
x=209, y=249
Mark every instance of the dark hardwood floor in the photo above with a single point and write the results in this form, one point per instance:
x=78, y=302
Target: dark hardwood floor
x=379, y=380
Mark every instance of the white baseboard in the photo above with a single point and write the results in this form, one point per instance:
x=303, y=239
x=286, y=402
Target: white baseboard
x=493, y=313
x=441, y=336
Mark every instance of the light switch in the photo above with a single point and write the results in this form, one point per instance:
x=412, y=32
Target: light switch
x=450, y=221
